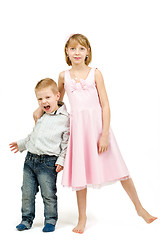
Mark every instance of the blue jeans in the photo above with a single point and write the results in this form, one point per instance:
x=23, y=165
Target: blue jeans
x=39, y=171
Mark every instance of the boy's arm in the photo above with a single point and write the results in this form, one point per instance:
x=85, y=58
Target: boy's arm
x=19, y=145
x=22, y=143
x=63, y=145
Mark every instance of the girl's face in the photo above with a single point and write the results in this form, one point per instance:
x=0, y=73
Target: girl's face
x=76, y=52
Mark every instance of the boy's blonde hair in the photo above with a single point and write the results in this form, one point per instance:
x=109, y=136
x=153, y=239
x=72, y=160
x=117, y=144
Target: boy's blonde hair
x=47, y=82
x=82, y=40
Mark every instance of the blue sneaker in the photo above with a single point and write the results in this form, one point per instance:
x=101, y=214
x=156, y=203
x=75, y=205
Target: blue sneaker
x=21, y=227
x=48, y=228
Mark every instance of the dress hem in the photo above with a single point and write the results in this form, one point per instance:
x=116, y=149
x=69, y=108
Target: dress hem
x=97, y=186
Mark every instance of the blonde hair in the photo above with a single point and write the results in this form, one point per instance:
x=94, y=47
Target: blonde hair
x=47, y=82
x=82, y=40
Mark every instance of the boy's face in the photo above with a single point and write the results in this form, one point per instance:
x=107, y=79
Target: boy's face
x=47, y=100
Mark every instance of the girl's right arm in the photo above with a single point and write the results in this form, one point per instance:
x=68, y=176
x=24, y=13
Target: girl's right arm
x=37, y=114
x=61, y=85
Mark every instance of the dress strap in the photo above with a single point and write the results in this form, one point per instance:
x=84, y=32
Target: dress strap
x=92, y=75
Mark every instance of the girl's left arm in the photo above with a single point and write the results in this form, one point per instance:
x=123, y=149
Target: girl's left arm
x=103, y=141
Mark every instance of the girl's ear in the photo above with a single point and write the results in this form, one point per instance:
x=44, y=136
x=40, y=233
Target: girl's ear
x=67, y=51
x=58, y=96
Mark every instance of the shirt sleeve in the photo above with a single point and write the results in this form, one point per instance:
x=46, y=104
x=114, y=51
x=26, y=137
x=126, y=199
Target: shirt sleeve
x=64, y=144
x=22, y=143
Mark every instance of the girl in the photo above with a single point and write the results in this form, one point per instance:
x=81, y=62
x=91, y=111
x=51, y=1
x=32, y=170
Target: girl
x=93, y=157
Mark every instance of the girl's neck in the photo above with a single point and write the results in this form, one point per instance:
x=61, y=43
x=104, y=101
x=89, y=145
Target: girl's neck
x=79, y=67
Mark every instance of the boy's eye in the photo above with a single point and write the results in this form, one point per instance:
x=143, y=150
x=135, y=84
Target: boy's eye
x=47, y=97
x=39, y=99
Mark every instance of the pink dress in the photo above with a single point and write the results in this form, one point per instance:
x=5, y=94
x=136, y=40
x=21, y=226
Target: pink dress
x=83, y=165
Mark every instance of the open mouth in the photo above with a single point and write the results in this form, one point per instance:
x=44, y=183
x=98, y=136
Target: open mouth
x=47, y=108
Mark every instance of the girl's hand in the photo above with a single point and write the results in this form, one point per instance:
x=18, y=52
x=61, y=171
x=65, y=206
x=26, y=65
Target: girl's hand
x=37, y=114
x=103, y=144
x=14, y=147
x=59, y=168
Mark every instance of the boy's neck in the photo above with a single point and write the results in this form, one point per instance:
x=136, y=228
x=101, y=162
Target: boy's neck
x=56, y=108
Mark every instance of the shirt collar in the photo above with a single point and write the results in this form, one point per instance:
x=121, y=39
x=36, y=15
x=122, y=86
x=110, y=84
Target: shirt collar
x=61, y=110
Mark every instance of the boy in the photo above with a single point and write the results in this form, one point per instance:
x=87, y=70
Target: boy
x=46, y=145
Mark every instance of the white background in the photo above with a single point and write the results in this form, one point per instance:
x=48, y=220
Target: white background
x=125, y=38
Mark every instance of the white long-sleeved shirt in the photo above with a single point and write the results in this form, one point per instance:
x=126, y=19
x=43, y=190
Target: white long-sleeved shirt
x=49, y=136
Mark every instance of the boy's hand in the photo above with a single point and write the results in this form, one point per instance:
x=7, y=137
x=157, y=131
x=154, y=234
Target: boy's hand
x=14, y=147
x=59, y=168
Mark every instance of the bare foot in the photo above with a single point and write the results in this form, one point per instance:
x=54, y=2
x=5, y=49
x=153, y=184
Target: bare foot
x=146, y=216
x=80, y=226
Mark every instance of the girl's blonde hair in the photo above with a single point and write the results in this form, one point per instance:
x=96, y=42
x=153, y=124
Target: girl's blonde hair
x=82, y=40
x=47, y=82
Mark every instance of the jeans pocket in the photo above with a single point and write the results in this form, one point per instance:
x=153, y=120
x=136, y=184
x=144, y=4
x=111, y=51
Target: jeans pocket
x=50, y=162
x=28, y=157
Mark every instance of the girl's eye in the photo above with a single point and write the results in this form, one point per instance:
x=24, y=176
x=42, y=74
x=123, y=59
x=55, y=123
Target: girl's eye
x=82, y=49
x=72, y=49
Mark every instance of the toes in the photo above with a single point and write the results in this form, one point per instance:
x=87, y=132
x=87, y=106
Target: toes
x=152, y=219
x=77, y=230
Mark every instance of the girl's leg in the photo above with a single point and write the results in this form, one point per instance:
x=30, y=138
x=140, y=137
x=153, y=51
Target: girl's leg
x=129, y=187
x=81, y=201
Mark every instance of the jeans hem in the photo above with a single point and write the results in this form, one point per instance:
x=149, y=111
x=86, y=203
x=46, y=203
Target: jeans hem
x=53, y=222
x=27, y=224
